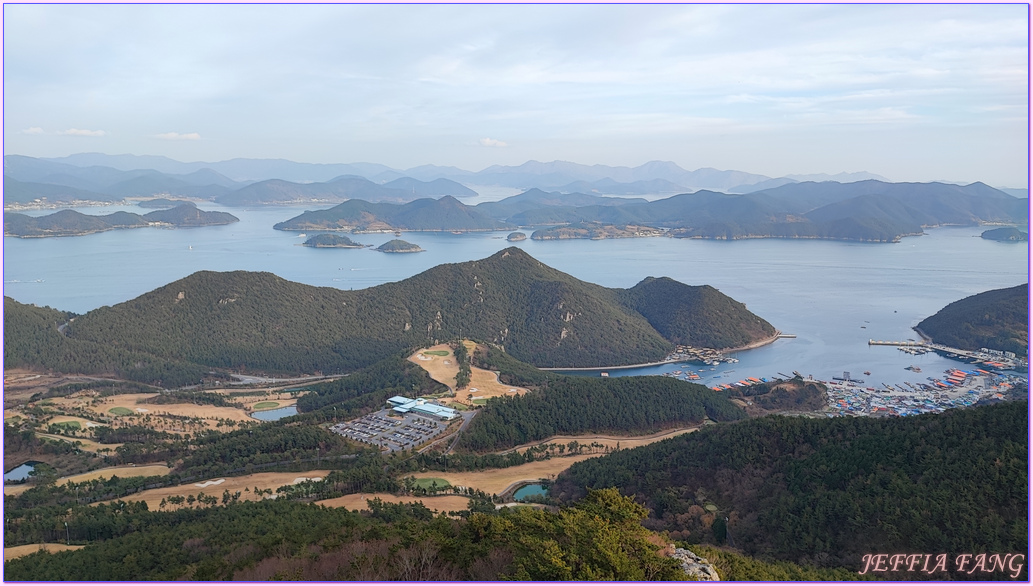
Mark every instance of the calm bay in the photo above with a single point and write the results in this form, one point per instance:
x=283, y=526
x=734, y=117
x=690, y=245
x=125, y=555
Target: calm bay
x=834, y=296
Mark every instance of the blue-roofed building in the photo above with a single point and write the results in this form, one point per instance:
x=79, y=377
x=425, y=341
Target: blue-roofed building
x=421, y=406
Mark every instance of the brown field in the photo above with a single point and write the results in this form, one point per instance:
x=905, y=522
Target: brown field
x=357, y=502
x=120, y=471
x=440, y=368
x=284, y=399
x=496, y=481
x=82, y=422
x=262, y=480
x=22, y=550
x=611, y=441
x=132, y=402
x=484, y=384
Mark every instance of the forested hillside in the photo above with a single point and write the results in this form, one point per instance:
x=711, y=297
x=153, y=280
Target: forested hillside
x=578, y=405
x=997, y=319
x=262, y=323
x=828, y=491
x=597, y=539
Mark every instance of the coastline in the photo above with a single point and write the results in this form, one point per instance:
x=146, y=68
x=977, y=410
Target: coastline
x=749, y=346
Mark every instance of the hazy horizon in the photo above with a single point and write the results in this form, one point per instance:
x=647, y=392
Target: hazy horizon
x=908, y=92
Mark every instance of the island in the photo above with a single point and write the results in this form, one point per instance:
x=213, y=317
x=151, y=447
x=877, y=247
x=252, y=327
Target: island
x=1006, y=235
x=332, y=241
x=73, y=223
x=516, y=237
x=595, y=231
x=399, y=246
x=162, y=203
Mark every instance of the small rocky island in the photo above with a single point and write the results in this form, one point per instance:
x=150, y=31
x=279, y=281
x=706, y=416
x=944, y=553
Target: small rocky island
x=1006, y=235
x=332, y=241
x=399, y=246
x=516, y=237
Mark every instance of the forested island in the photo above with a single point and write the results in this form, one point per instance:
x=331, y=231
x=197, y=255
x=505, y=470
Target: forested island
x=996, y=319
x=259, y=322
x=1006, y=235
x=398, y=246
x=594, y=231
x=435, y=215
x=73, y=223
x=516, y=237
x=332, y=241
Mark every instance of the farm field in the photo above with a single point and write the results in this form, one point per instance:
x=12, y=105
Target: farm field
x=357, y=502
x=216, y=486
x=496, y=481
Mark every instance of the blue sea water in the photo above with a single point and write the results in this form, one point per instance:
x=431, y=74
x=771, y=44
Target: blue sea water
x=834, y=296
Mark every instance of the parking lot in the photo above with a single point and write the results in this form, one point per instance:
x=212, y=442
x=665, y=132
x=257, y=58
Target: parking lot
x=390, y=433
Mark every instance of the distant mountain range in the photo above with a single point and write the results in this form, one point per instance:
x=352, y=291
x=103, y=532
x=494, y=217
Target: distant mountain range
x=98, y=172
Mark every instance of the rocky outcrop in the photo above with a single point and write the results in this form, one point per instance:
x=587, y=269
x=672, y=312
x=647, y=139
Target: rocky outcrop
x=697, y=568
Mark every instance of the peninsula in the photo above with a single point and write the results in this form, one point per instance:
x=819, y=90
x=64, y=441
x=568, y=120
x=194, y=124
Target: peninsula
x=73, y=223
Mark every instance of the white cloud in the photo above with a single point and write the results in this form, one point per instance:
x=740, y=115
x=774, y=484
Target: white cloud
x=178, y=136
x=81, y=132
x=33, y=130
x=491, y=142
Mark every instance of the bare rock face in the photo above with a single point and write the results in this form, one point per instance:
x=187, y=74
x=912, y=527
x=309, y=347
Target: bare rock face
x=696, y=567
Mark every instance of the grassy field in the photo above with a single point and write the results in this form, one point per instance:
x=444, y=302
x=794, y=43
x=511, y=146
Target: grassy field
x=120, y=411
x=265, y=405
x=437, y=352
x=611, y=441
x=428, y=481
x=357, y=502
x=22, y=550
x=120, y=471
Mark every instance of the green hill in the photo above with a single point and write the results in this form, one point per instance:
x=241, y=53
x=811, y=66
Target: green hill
x=332, y=241
x=1006, y=235
x=828, y=491
x=996, y=319
x=260, y=322
x=425, y=214
x=696, y=316
x=398, y=246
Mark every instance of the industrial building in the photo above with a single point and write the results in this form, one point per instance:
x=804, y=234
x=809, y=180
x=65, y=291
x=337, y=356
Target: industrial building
x=422, y=407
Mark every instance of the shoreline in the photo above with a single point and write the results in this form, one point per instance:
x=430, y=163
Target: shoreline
x=750, y=346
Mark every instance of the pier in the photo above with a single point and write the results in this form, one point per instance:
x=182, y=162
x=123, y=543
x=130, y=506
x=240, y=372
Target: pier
x=892, y=343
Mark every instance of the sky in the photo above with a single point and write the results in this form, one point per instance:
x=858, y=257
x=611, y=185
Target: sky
x=910, y=92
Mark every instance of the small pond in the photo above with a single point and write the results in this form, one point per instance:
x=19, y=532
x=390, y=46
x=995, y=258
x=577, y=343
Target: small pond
x=21, y=472
x=529, y=490
x=274, y=414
